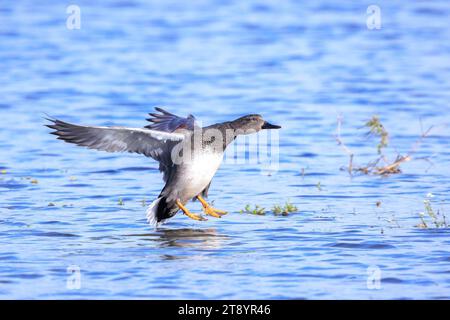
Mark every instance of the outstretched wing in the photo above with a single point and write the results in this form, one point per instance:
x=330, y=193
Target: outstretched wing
x=151, y=143
x=168, y=122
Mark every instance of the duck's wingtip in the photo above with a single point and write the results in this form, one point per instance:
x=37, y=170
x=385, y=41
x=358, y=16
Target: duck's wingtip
x=48, y=117
x=163, y=111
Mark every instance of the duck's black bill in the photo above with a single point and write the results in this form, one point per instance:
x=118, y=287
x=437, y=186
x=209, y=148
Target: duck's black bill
x=267, y=125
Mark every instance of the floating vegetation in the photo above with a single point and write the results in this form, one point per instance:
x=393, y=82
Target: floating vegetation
x=257, y=210
x=319, y=186
x=381, y=165
x=284, y=210
x=121, y=203
x=33, y=181
x=3, y=171
x=437, y=218
x=276, y=209
x=144, y=202
x=61, y=205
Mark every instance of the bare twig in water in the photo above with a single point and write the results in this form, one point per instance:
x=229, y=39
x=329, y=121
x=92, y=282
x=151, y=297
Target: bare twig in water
x=341, y=143
x=386, y=167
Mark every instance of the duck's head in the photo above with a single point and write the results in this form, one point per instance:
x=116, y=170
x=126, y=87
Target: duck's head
x=251, y=123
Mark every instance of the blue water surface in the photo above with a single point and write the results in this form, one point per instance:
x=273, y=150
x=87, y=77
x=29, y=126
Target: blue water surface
x=300, y=65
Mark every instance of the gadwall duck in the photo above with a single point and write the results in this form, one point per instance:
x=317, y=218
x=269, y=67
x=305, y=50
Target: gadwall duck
x=188, y=155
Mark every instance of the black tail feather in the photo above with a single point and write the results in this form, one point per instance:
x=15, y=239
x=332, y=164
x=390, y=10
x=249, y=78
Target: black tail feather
x=164, y=211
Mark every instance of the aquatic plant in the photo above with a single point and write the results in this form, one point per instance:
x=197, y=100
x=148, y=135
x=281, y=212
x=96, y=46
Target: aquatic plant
x=257, y=210
x=283, y=210
x=120, y=203
x=437, y=218
x=319, y=186
x=381, y=165
x=289, y=207
x=277, y=209
x=377, y=129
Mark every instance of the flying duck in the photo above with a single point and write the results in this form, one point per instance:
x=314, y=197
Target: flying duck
x=188, y=155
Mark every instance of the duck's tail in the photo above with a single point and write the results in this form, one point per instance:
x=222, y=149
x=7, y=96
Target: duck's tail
x=152, y=213
x=158, y=212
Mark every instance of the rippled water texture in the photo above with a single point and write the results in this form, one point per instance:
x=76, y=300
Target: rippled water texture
x=299, y=65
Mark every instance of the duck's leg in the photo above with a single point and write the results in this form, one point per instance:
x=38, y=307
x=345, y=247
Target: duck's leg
x=210, y=210
x=188, y=213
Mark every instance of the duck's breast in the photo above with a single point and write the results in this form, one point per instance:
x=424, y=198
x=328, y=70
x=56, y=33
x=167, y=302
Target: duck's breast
x=198, y=173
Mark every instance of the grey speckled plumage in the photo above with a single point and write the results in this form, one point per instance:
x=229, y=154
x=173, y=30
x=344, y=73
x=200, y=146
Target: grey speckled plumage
x=167, y=137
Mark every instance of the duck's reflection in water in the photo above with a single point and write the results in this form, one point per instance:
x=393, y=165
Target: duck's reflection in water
x=186, y=238
x=201, y=238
